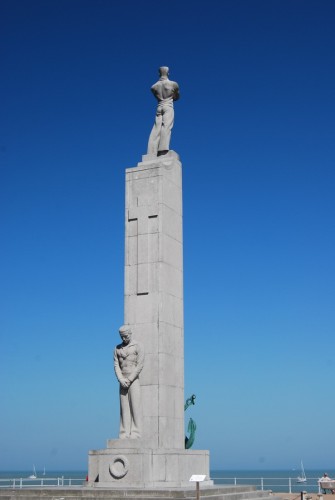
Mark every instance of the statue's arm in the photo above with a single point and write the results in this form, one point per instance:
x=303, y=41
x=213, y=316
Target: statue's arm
x=140, y=363
x=117, y=368
x=154, y=91
x=176, y=94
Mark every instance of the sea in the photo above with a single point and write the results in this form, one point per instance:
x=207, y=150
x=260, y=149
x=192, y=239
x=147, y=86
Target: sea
x=281, y=481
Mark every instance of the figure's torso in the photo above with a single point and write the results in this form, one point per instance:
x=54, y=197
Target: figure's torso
x=165, y=91
x=127, y=356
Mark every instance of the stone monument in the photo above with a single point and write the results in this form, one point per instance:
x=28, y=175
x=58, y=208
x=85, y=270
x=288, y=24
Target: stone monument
x=128, y=364
x=166, y=92
x=150, y=451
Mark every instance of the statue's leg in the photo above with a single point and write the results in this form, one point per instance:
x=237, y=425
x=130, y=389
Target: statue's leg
x=155, y=134
x=136, y=409
x=125, y=416
x=167, y=124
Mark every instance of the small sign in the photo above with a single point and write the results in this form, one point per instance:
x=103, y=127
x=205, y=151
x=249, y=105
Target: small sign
x=198, y=478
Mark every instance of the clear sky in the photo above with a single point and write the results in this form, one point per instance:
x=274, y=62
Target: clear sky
x=255, y=132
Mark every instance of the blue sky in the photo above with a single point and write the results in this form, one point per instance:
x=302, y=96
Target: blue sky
x=255, y=132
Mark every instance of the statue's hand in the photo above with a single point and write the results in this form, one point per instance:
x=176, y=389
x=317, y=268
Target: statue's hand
x=124, y=382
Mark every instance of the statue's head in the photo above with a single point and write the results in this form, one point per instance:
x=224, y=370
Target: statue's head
x=125, y=334
x=164, y=71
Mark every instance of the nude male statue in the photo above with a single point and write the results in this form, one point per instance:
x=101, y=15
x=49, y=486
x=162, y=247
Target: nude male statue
x=128, y=364
x=165, y=92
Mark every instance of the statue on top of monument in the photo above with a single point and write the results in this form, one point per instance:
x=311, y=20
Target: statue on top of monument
x=165, y=91
x=128, y=364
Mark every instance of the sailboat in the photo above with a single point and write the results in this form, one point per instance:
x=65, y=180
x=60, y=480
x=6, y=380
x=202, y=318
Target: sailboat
x=302, y=478
x=34, y=475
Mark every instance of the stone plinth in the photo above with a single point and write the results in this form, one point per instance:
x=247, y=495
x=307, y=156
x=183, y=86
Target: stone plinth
x=145, y=467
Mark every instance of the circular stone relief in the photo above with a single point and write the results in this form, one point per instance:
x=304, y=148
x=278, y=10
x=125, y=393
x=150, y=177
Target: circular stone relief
x=119, y=467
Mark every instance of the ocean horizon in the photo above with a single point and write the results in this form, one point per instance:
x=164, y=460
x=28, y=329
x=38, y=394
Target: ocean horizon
x=277, y=480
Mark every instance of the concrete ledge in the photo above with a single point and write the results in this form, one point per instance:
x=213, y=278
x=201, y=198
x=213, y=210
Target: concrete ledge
x=225, y=492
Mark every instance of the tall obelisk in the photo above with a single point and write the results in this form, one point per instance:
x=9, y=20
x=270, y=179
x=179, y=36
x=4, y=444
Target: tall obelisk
x=154, y=314
x=154, y=293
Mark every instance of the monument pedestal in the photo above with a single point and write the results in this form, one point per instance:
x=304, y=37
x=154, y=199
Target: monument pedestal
x=126, y=465
x=154, y=312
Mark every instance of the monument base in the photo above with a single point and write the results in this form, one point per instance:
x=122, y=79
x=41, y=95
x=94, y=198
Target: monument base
x=219, y=492
x=129, y=463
